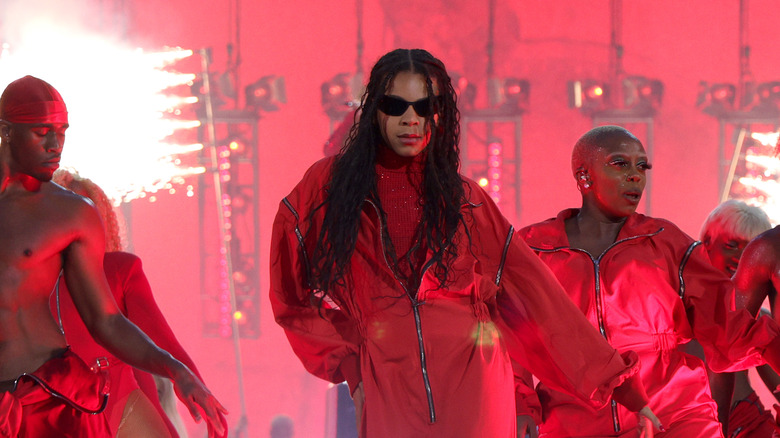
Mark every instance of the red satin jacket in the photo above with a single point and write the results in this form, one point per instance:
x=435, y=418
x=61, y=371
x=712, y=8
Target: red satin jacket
x=436, y=362
x=650, y=291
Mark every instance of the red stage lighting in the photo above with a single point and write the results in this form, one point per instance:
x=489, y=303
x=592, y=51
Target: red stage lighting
x=640, y=92
x=340, y=95
x=465, y=90
x=594, y=92
x=588, y=95
x=266, y=94
x=768, y=97
x=510, y=94
x=716, y=99
x=237, y=146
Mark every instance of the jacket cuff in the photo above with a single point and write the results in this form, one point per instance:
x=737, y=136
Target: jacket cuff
x=631, y=393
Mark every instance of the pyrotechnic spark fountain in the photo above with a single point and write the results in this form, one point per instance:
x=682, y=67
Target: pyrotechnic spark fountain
x=121, y=111
x=763, y=172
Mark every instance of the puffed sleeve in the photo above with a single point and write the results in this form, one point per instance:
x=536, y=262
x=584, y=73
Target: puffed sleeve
x=323, y=337
x=549, y=336
x=732, y=339
x=544, y=331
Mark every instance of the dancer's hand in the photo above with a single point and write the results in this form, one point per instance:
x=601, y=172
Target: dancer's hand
x=648, y=423
x=199, y=400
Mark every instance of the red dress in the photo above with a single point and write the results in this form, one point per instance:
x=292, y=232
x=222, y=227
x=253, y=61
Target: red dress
x=650, y=291
x=134, y=298
x=434, y=362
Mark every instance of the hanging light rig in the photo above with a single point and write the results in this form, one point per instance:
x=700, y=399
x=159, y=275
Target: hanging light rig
x=752, y=111
x=620, y=95
x=507, y=100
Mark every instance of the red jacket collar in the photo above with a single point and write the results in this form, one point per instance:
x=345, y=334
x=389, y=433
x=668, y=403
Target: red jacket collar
x=551, y=233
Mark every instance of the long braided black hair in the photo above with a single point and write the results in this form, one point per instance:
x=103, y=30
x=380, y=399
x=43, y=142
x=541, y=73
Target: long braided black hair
x=353, y=178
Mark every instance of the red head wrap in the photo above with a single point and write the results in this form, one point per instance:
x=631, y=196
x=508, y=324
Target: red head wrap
x=32, y=100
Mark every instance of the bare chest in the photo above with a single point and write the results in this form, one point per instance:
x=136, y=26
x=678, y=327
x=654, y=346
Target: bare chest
x=31, y=234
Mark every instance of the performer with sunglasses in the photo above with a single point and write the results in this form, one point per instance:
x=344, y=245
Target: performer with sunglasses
x=392, y=271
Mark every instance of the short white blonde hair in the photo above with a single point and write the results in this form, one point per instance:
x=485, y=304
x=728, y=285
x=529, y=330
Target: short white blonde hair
x=735, y=219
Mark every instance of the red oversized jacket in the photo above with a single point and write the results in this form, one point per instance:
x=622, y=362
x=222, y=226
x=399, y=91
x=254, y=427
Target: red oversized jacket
x=650, y=291
x=435, y=362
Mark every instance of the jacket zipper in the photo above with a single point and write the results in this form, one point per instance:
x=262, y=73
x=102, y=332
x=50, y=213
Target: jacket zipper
x=417, y=322
x=602, y=328
x=599, y=306
x=415, y=309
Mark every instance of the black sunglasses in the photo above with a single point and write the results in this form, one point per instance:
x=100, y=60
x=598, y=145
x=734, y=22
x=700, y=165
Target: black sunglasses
x=395, y=106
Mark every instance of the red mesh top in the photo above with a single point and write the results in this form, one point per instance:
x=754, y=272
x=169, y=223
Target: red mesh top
x=399, y=185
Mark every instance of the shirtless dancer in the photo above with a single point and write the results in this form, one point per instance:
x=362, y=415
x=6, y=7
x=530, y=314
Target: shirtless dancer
x=47, y=231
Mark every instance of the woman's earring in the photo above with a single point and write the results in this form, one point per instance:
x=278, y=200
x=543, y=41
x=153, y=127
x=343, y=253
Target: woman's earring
x=585, y=182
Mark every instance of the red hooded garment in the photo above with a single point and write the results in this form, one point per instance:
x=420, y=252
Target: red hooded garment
x=650, y=291
x=436, y=362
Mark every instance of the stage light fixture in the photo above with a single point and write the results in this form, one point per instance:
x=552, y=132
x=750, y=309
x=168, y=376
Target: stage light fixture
x=768, y=97
x=716, y=99
x=642, y=93
x=638, y=96
x=589, y=95
x=341, y=94
x=247, y=315
x=238, y=145
x=720, y=99
x=510, y=94
x=198, y=90
x=266, y=94
x=465, y=90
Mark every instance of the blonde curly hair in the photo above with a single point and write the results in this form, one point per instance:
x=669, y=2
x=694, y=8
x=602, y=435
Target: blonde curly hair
x=71, y=180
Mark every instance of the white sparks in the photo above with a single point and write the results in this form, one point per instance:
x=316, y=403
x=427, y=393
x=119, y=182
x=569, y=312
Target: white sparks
x=766, y=138
x=120, y=111
x=760, y=187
